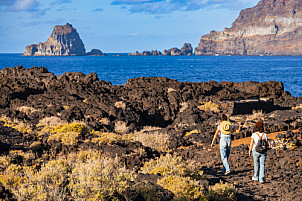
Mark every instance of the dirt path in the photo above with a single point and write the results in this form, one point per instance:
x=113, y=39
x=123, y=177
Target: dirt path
x=247, y=140
x=283, y=172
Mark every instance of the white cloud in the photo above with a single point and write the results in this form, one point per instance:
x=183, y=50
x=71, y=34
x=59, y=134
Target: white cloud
x=24, y=5
x=168, y=6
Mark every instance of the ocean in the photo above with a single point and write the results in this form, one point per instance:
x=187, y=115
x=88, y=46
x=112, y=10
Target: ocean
x=117, y=69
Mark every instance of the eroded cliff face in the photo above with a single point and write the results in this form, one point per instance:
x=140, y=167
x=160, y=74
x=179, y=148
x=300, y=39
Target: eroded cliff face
x=63, y=41
x=273, y=27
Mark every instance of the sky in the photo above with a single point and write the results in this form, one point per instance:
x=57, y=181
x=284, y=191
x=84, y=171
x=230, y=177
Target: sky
x=116, y=26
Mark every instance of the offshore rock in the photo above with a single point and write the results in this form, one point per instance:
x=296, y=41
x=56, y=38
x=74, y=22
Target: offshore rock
x=63, y=41
x=146, y=53
x=95, y=52
x=185, y=50
x=272, y=27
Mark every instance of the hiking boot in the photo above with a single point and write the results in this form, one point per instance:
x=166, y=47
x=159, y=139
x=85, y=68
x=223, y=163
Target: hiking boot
x=227, y=172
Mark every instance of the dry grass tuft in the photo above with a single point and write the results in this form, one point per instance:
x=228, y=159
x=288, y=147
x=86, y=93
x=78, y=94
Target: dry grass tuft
x=110, y=138
x=105, y=121
x=184, y=106
x=256, y=116
x=50, y=121
x=154, y=138
x=121, y=127
x=120, y=104
x=297, y=107
x=171, y=90
x=16, y=124
x=209, y=106
x=27, y=110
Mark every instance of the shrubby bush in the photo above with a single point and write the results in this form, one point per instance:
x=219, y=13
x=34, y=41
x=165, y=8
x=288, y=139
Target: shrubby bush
x=86, y=175
x=67, y=134
x=184, y=188
x=222, y=192
x=173, y=165
x=16, y=124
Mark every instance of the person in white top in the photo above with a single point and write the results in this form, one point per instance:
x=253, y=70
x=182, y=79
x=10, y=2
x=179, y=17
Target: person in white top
x=225, y=129
x=259, y=158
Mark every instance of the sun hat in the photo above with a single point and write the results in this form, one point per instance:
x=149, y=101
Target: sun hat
x=225, y=127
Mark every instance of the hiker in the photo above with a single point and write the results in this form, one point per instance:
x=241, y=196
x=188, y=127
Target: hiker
x=259, y=156
x=225, y=129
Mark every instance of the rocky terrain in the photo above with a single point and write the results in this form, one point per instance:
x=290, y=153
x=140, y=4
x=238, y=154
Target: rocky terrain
x=272, y=27
x=151, y=138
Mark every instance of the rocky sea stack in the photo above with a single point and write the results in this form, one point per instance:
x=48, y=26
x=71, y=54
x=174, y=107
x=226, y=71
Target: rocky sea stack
x=273, y=27
x=63, y=41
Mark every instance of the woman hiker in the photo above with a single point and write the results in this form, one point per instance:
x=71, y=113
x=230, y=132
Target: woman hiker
x=259, y=158
x=225, y=129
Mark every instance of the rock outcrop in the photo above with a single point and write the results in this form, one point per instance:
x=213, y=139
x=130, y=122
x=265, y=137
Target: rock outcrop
x=146, y=53
x=272, y=27
x=186, y=50
x=95, y=52
x=64, y=41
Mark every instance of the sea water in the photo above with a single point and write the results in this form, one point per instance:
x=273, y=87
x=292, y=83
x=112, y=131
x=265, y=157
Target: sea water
x=117, y=69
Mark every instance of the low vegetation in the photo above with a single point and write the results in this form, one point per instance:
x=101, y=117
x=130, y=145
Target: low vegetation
x=90, y=175
x=209, y=106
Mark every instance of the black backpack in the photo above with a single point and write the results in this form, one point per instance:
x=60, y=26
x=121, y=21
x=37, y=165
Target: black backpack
x=261, y=146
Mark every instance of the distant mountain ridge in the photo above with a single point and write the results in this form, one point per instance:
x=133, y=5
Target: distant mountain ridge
x=272, y=27
x=63, y=41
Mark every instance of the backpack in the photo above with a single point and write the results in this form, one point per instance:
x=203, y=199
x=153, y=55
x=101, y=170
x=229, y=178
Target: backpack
x=261, y=146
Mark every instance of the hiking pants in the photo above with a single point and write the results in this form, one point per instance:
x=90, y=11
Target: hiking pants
x=259, y=164
x=225, y=150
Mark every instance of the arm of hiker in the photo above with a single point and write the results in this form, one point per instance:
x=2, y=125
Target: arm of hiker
x=215, y=135
x=238, y=130
x=251, y=146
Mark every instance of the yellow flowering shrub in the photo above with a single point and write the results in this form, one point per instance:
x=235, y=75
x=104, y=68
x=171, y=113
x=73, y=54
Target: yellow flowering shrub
x=68, y=134
x=96, y=179
x=222, y=192
x=17, y=125
x=109, y=138
x=184, y=188
x=172, y=165
x=209, y=106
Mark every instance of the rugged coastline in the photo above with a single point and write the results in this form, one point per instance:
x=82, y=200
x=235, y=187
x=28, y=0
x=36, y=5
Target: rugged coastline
x=272, y=27
x=48, y=119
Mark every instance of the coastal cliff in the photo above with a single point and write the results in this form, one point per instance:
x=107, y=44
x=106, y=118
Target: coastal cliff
x=63, y=41
x=272, y=27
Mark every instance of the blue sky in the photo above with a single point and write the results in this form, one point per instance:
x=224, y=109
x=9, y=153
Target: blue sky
x=116, y=25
